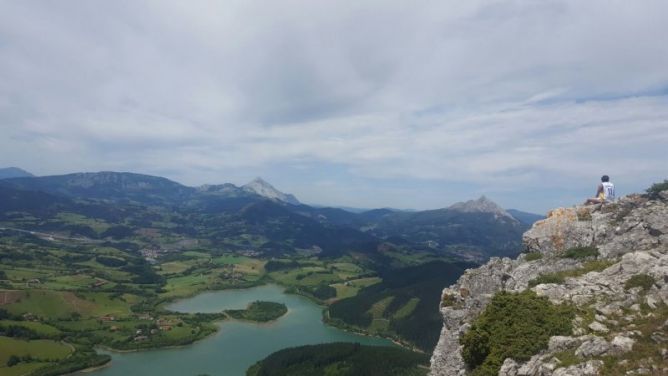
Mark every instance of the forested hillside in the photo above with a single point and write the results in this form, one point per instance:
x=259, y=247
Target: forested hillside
x=342, y=359
x=404, y=305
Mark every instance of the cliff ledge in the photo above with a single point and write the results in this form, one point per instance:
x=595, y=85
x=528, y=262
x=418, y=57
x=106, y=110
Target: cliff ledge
x=628, y=242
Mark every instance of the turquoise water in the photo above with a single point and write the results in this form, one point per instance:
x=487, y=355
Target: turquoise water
x=237, y=345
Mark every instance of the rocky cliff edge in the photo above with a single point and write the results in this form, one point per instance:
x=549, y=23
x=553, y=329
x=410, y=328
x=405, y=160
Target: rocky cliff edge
x=631, y=239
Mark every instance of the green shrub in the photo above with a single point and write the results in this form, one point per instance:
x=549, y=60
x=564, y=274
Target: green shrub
x=639, y=280
x=533, y=256
x=591, y=266
x=448, y=300
x=658, y=187
x=13, y=360
x=580, y=253
x=567, y=358
x=514, y=325
x=547, y=278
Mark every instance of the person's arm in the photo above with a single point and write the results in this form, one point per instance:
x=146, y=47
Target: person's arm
x=599, y=190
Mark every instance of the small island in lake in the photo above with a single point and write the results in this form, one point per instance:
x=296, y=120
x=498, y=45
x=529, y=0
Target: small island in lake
x=259, y=311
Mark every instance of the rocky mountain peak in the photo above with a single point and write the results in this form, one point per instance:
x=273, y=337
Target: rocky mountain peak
x=481, y=205
x=610, y=262
x=260, y=187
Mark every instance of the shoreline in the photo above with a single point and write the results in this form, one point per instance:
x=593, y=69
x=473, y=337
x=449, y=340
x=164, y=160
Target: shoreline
x=397, y=342
x=320, y=304
x=175, y=299
x=91, y=369
x=324, y=314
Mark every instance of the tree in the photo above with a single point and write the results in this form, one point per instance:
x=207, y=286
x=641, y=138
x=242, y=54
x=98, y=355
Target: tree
x=13, y=360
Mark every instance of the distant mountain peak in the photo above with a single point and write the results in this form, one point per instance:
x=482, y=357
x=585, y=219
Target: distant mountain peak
x=14, y=172
x=261, y=187
x=259, y=180
x=481, y=205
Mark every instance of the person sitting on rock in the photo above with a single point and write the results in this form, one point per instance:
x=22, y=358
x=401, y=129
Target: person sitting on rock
x=604, y=193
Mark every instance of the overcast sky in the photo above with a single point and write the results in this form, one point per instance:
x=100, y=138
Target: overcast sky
x=408, y=104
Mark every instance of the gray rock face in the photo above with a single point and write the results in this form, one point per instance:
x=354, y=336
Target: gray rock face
x=594, y=346
x=631, y=236
x=621, y=344
x=262, y=188
x=588, y=368
x=481, y=205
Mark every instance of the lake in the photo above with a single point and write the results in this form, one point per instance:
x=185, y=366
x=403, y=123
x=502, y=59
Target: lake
x=237, y=345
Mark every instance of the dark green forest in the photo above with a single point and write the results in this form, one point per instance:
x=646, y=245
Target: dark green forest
x=342, y=359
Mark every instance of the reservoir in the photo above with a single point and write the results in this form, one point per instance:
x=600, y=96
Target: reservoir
x=237, y=345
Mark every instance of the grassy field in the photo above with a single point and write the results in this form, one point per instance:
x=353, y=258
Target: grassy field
x=188, y=285
x=22, y=369
x=175, y=267
x=83, y=325
x=380, y=324
x=48, y=303
x=69, y=282
x=99, y=226
x=304, y=276
x=63, y=304
x=39, y=348
x=22, y=274
x=406, y=309
x=38, y=327
x=351, y=288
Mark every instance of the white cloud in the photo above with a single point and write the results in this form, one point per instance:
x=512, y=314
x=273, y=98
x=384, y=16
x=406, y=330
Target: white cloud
x=475, y=95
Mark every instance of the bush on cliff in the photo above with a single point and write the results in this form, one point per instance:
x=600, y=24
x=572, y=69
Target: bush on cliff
x=643, y=281
x=514, y=325
x=658, y=187
x=580, y=253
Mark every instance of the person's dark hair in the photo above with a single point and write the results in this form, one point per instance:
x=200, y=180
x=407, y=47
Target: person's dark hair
x=605, y=178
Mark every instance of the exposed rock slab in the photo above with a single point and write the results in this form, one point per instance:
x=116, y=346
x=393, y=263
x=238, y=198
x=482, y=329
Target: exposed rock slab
x=631, y=234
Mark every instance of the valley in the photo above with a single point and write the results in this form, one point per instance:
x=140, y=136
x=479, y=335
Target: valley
x=93, y=261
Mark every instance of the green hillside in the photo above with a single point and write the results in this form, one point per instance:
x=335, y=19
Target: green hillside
x=342, y=359
x=404, y=305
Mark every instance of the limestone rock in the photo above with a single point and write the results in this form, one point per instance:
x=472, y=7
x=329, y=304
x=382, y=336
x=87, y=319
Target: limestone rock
x=594, y=346
x=598, y=327
x=561, y=343
x=621, y=344
x=509, y=368
x=631, y=236
x=589, y=368
x=563, y=228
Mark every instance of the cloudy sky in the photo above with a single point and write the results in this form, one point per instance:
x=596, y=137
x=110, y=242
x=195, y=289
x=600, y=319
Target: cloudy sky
x=408, y=104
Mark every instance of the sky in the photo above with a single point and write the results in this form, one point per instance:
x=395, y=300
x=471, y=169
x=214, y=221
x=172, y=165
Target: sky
x=406, y=104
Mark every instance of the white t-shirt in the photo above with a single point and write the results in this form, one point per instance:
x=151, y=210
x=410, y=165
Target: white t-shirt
x=608, y=191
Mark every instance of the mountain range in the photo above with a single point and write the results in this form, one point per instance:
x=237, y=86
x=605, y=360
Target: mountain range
x=13, y=172
x=253, y=216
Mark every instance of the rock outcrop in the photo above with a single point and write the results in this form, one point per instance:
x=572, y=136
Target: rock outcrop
x=620, y=294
